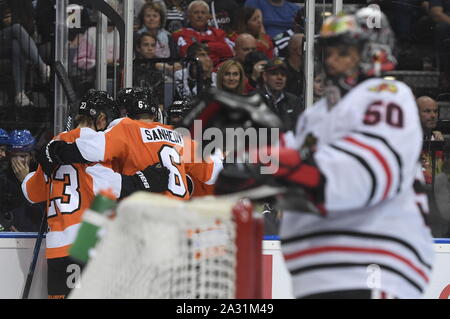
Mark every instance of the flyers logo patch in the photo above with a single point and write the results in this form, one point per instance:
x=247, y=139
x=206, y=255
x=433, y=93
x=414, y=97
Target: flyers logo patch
x=384, y=87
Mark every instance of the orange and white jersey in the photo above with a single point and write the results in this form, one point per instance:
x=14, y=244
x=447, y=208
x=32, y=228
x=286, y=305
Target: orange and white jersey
x=199, y=189
x=132, y=145
x=68, y=193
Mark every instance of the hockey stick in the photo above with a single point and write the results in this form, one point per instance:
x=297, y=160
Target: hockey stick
x=63, y=78
x=37, y=248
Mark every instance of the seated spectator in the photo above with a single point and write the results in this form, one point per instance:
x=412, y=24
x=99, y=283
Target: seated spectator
x=198, y=74
x=253, y=68
x=278, y=15
x=319, y=83
x=428, y=111
x=219, y=46
x=14, y=208
x=175, y=14
x=152, y=18
x=230, y=77
x=249, y=20
x=294, y=63
x=244, y=44
x=85, y=57
x=286, y=105
x=222, y=14
x=145, y=71
x=20, y=47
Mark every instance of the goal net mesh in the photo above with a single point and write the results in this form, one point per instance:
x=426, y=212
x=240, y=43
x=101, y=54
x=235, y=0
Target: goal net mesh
x=158, y=247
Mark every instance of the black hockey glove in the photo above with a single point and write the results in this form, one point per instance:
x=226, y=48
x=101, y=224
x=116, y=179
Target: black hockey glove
x=154, y=178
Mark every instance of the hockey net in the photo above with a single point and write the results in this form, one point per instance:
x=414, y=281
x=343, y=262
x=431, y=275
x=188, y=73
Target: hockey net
x=158, y=247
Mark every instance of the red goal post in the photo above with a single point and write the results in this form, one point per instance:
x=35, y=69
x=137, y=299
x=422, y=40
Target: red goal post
x=158, y=247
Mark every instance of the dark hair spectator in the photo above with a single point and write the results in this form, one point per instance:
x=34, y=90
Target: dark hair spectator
x=273, y=89
x=278, y=15
x=253, y=68
x=197, y=75
x=145, y=71
x=249, y=20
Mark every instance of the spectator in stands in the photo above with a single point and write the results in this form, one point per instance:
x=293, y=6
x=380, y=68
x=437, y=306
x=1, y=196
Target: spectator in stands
x=294, y=63
x=281, y=40
x=197, y=75
x=440, y=13
x=19, y=46
x=244, y=44
x=222, y=14
x=428, y=111
x=278, y=15
x=85, y=56
x=249, y=20
x=286, y=105
x=14, y=207
x=175, y=14
x=152, y=18
x=230, y=77
x=319, y=83
x=145, y=71
x=253, y=68
x=219, y=46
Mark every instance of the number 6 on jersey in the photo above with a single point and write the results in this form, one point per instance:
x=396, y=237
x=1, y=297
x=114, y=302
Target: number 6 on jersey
x=171, y=159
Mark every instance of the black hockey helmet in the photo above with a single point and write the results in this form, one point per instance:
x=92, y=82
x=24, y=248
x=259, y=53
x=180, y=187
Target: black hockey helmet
x=176, y=111
x=138, y=101
x=95, y=102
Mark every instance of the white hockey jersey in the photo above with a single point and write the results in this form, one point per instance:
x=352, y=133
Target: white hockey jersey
x=374, y=235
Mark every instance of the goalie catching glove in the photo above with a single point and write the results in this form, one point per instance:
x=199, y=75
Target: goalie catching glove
x=154, y=178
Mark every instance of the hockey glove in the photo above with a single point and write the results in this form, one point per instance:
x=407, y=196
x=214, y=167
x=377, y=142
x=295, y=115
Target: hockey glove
x=154, y=178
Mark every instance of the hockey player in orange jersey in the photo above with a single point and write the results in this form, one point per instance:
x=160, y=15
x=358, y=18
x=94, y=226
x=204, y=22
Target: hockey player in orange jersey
x=135, y=142
x=71, y=188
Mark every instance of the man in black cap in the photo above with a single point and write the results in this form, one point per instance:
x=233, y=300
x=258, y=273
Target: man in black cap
x=286, y=105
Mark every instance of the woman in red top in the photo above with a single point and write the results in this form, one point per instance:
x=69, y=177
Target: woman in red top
x=249, y=20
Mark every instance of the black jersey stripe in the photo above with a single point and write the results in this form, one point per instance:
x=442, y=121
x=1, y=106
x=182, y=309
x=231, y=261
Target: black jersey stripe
x=302, y=270
x=370, y=236
x=390, y=148
x=366, y=166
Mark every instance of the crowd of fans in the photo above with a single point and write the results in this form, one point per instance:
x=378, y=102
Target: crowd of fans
x=182, y=47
